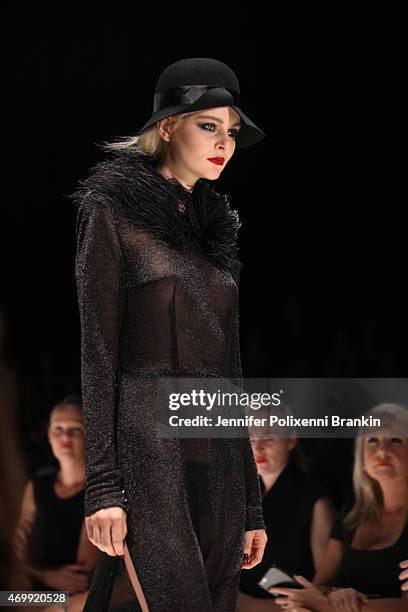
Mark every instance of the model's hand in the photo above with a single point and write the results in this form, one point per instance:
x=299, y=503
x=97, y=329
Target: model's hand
x=107, y=530
x=70, y=577
x=404, y=575
x=254, y=546
x=347, y=600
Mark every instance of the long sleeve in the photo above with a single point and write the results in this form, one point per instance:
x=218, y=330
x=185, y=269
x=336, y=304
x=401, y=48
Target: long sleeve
x=254, y=516
x=100, y=292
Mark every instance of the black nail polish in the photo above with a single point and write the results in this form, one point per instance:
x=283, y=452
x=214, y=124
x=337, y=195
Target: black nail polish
x=246, y=557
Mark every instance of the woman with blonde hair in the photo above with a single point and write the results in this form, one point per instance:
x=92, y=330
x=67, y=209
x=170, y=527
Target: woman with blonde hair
x=370, y=536
x=52, y=539
x=157, y=276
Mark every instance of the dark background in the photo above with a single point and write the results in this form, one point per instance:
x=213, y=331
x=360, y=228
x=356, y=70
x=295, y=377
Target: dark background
x=322, y=198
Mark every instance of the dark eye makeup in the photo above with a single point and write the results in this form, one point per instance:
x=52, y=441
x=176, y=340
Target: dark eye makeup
x=202, y=126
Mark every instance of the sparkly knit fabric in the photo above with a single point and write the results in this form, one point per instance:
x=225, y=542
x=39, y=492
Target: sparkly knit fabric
x=157, y=276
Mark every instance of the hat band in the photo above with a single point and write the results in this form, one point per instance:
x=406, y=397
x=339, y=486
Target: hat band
x=187, y=94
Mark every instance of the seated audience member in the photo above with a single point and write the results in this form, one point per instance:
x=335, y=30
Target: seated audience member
x=297, y=511
x=52, y=542
x=370, y=534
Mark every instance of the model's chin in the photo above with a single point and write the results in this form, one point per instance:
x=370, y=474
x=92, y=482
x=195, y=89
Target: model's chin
x=214, y=174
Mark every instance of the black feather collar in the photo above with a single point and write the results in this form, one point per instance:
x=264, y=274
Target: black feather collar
x=131, y=183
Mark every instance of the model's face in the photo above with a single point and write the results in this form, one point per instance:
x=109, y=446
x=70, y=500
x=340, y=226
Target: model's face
x=66, y=434
x=204, y=134
x=385, y=456
x=272, y=453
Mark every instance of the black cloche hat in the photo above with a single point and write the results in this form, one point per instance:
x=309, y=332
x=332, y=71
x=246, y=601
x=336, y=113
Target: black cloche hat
x=198, y=83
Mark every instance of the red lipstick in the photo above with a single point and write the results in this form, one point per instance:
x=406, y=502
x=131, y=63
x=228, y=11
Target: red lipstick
x=217, y=160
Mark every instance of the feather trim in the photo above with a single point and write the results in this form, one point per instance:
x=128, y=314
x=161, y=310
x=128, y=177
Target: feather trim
x=130, y=182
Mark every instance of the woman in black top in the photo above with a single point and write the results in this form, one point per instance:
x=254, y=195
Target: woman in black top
x=297, y=511
x=373, y=571
x=157, y=275
x=51, y=537
x=370, y=536
x=54, y=537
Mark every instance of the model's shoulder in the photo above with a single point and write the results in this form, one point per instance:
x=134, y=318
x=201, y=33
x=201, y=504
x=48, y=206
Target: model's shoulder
x=104, y=181
x=94, y=211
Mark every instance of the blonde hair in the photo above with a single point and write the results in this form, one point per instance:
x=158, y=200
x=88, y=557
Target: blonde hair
x=149, y=142
x=368, y=503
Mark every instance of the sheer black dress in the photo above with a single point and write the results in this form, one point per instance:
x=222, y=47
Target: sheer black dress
x=157, y=280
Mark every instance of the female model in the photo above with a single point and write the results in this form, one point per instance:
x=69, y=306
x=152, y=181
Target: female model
x=157, y=278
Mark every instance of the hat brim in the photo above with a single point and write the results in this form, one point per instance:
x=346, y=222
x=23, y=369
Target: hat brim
x=248, y=134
